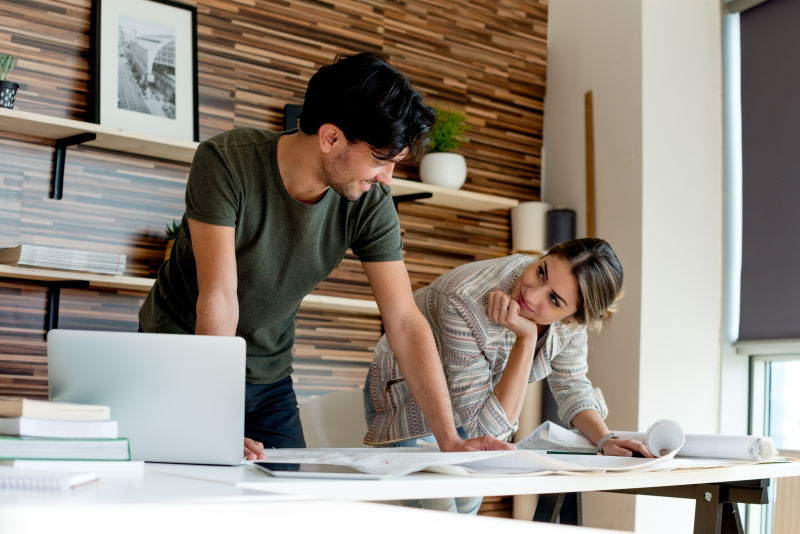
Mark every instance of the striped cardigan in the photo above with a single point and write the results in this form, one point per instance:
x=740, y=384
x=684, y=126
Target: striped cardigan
x=474, y=352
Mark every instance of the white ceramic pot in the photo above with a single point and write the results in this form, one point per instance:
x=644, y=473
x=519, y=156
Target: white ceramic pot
x=445, y=169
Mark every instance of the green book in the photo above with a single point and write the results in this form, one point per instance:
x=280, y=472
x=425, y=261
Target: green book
x=13, y=448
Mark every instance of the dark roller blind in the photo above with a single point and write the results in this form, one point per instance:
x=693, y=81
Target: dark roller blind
x=770, y=284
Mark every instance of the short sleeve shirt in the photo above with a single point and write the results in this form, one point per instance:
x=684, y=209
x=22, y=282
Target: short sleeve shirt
x=283, y=246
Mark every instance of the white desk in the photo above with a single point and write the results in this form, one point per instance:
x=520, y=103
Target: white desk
x=431, y=485
x=203, y=499
x=715, y=491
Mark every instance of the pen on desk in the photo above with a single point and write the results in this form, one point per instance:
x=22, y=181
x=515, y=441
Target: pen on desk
x=570, y=452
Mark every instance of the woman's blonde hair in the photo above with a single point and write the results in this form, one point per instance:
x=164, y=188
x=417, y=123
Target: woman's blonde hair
x=599, y=275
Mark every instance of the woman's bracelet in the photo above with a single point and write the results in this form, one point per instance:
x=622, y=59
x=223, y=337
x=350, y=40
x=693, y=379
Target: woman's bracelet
x=602, y=441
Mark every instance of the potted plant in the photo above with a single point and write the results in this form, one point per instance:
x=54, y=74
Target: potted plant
x=441, y=165
x=171, y=231
x=8, y=90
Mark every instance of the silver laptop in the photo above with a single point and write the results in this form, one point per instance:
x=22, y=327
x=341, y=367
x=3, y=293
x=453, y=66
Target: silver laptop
x=177, y=398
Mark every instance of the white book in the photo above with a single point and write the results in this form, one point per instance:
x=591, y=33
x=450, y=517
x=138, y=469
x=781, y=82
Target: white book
x=18, y=448
x=105, y=468
x=45, y=409
x=53, y=428
x=63, y=258
x=12, y=478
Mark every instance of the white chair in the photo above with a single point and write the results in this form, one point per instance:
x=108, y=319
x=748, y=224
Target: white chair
x=334, y=420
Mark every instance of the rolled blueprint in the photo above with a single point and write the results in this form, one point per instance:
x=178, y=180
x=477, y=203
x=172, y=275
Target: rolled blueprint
x=735, y=447
x=665, y=435
x=661, y=438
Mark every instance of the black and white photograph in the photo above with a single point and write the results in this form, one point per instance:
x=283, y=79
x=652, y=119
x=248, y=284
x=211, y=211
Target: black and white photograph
x=146, y=76
x=150, y=84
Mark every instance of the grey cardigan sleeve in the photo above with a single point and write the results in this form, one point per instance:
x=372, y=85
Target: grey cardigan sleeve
x=568, y=382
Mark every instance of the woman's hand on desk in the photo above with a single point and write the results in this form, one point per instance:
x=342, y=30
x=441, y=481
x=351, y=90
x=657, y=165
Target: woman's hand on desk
x=626, y=447
x=253, y=450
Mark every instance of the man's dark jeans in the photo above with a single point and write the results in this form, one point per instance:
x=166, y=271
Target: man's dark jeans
x=271, y=415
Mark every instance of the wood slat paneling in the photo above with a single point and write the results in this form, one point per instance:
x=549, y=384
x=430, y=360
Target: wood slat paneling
x=485, y=57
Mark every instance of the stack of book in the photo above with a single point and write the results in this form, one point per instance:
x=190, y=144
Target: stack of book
x=63, y=258
x=45, y=430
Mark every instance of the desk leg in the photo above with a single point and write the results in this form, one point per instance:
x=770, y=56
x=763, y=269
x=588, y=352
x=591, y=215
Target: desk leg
x=712, y=516
x=564, y=508
x=708, y=509
x=549, y=507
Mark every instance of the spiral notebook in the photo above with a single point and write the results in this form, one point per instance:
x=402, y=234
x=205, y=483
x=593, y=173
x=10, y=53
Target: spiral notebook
x=12, y=478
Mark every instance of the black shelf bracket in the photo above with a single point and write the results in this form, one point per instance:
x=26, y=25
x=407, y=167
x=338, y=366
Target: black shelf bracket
x=408, y=198
x=60, y=158
x=53, y=295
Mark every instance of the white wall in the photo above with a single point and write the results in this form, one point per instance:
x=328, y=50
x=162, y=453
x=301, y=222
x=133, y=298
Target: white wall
x=654, y=69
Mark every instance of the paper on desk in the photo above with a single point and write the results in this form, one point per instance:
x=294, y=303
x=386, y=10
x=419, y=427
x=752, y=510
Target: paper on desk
x=401, y=461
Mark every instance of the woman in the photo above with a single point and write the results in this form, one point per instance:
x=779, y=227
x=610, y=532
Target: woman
x=500, y=324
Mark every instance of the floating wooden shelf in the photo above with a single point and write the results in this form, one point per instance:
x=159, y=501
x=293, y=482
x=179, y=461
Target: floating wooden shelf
x=452, y=198
x=47, y=127
x=141, y=284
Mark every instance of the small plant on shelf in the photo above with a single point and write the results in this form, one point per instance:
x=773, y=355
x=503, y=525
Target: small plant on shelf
x=8, y=90
x=441, y=165
x=171, y=231
x=447, y=132
x=6, y=65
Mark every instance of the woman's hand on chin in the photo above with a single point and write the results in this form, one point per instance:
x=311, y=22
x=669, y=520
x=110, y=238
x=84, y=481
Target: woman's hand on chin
x=505, y=311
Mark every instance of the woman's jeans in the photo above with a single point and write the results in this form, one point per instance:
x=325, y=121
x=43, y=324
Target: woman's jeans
x=463, y=505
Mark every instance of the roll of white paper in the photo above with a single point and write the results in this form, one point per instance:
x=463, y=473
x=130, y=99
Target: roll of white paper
x=529, y=226
x=735, y=447
x=666, y=435
x=661, y=438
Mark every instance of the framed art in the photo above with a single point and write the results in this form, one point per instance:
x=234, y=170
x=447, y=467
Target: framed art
x=145, y=67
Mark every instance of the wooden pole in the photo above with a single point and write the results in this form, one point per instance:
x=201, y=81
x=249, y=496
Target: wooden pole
x=588, y=110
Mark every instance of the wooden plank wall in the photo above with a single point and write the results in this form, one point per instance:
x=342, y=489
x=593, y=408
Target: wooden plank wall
x=486, y=57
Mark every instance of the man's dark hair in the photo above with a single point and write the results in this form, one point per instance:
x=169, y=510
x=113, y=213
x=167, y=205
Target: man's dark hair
x=370, y=101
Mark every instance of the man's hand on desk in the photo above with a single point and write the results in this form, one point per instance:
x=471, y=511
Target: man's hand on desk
x=253, y=450
x=483, y=443
x=625, y=447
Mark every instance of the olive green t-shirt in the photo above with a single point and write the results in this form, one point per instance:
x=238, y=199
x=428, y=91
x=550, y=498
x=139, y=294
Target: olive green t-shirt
x=283, y=247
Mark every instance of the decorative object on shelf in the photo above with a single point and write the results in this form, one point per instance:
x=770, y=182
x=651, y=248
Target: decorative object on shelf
x=171, y=231
x=442, y=166
x=560, y=225
x=529, y=226
x=145, y=67
x=8, y=90
x=291, y=116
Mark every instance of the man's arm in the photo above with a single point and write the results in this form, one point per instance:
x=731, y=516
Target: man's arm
x=217, y=282
x=412, y=343
x=215, y=258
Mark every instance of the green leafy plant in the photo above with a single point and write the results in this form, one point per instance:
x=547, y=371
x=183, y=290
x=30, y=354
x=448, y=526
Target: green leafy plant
x=447, y=132
x=171, y=230
x=6, y=65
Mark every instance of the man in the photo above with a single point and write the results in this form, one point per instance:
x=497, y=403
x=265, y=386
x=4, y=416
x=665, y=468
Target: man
x=269, y=215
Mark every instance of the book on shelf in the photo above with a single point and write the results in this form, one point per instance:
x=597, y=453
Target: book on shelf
x=26, y=255
x=45, y=409
x=12, y=478
x=123, y=468
x=22, y=448
x=54, y=428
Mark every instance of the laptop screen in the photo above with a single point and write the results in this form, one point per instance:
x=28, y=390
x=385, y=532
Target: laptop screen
x=177, y=398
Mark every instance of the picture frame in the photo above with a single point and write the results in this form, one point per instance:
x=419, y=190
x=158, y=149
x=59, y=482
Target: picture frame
x=144, y=67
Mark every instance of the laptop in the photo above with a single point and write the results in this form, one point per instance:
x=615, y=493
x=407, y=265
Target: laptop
x=177, y=398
